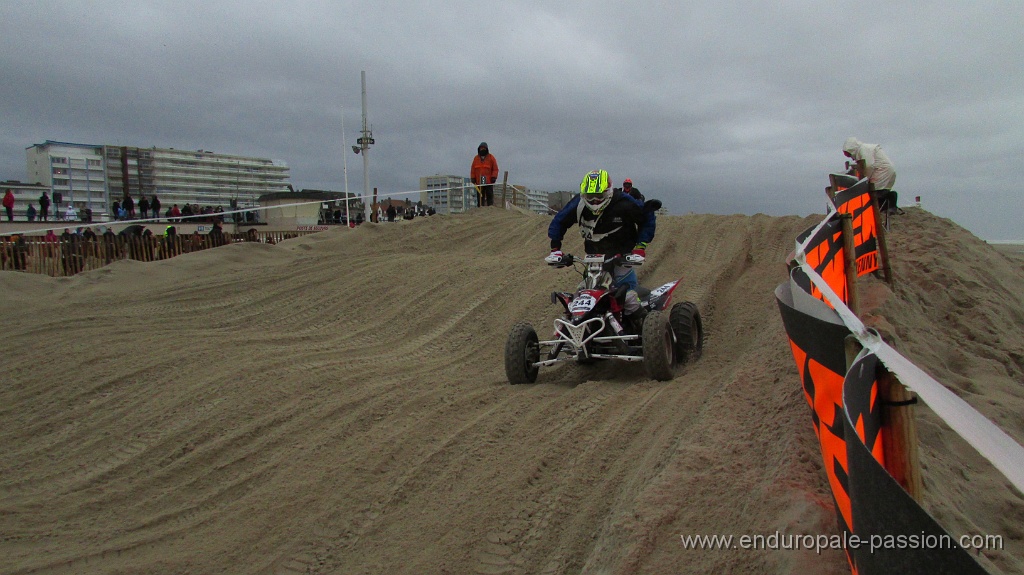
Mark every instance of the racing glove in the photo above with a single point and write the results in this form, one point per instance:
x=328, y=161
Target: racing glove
x=554, y=257
x=638, y=256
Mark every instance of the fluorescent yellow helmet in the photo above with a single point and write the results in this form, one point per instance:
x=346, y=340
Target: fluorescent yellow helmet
x=595, y=190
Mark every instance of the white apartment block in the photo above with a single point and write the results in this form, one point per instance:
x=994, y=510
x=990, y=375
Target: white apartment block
x=25, y=195
x=192, y=177
x=95, y=176
x=455, y=194
x=73, y=173
x=533, y=200
x=447, y=194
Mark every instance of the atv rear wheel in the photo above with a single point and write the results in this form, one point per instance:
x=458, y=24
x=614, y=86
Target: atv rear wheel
x=659, y=346
x=521, y=352
x=689, y=330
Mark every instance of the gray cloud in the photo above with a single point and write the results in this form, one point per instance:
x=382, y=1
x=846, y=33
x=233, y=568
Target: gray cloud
x=712, y=107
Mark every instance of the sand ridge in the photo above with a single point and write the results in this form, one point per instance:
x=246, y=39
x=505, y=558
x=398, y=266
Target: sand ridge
x=337, y=404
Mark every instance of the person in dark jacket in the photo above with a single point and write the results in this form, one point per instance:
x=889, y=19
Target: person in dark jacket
x=44, y=207
x=217, y=234
x=627, y=187
x=154, y=205
x=611, y=222
x=129, y=206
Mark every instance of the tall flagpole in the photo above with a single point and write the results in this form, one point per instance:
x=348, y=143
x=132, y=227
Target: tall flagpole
x=364, y=146
x=344, y=155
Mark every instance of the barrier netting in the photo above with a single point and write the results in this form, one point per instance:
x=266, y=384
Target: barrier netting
x=846, y=408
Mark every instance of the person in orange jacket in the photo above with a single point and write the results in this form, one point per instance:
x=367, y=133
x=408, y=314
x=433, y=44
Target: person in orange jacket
x=484, y=172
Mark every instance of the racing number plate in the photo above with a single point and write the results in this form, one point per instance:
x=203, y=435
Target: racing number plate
x=582, y=304
x=655, y=294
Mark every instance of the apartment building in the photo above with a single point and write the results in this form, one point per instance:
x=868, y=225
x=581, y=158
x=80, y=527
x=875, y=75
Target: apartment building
x=455, y=194
x=25, y=195
x=73, y=173
x=535, y=201
x=192, y=177
x=95, y=176
x=447, y=194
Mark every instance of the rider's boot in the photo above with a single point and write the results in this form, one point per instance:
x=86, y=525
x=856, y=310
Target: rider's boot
x=633, y=312
x=636, y=319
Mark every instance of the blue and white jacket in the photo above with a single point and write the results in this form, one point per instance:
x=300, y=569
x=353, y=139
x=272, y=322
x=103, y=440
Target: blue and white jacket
x=620, y=226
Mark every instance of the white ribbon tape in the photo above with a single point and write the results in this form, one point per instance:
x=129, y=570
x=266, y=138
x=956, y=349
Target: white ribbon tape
x=989, y=440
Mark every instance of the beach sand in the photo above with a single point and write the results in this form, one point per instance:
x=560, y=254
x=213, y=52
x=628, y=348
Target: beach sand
x=338, y=404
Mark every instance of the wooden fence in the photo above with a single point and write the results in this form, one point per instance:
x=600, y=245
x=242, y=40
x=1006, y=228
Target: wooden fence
x=69, y=256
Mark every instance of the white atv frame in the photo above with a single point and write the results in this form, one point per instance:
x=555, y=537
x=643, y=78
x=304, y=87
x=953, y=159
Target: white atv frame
x=668, y=338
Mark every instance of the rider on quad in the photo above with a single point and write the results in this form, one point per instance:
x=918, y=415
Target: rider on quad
x=611, y=222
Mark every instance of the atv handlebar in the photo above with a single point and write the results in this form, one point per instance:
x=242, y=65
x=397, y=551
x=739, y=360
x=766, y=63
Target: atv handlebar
x=610, y=261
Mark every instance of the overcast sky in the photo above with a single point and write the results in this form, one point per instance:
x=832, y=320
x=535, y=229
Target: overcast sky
x=711, y=106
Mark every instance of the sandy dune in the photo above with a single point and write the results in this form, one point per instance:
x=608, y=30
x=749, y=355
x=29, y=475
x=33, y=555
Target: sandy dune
x=337, y=404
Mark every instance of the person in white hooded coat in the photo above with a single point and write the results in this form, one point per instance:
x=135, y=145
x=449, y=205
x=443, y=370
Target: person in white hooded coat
x=878, y=169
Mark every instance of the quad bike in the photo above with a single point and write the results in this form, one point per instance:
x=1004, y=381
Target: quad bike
x=594, y=327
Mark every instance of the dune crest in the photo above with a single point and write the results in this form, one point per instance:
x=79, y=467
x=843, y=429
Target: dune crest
x=337, y=404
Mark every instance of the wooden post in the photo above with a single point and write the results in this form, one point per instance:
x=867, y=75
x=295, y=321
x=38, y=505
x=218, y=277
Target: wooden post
x=850, y=263
x=899, y=430
x=853, y=347
x=883, y=248
x=504, y=191
x=899, y=434
x=832, y=188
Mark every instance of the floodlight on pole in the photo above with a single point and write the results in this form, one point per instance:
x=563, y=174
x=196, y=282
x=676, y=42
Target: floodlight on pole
x=345, y=166
x=365, y=141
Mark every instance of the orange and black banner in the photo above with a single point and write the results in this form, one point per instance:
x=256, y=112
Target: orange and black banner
x=816, y=337
x=888, y=530
x=863, y=406
x=883, y=512
x=856, y=201
x=823, y=250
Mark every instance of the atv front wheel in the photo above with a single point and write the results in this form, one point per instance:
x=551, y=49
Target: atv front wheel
x=689, y=330
x=521, y=352
x=659, y=346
